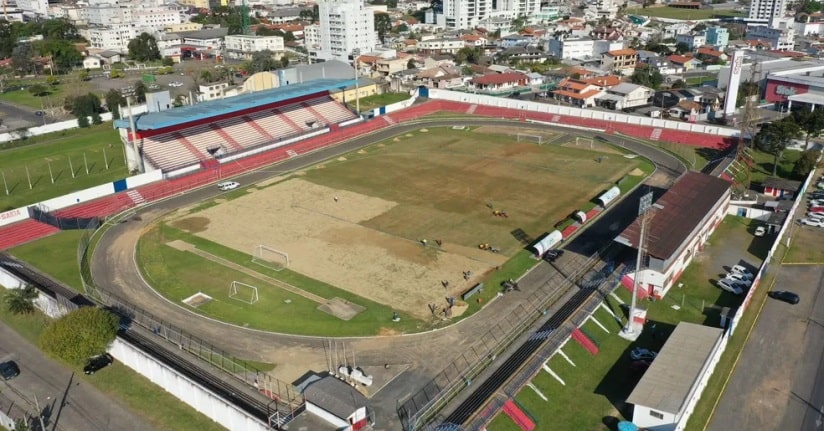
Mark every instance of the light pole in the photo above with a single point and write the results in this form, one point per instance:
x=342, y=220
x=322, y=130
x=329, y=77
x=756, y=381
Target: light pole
x=644, y=206
x=355, y=55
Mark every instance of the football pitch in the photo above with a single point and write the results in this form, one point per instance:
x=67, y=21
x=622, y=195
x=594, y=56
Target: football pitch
x=43, y=167
x=393, y=227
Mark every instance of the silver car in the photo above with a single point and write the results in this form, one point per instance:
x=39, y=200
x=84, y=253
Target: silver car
x=730, y=286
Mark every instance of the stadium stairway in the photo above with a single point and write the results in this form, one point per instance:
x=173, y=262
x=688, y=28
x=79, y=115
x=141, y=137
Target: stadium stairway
x=22, y=232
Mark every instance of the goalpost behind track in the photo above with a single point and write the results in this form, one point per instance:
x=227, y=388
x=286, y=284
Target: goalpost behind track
x=243, y=292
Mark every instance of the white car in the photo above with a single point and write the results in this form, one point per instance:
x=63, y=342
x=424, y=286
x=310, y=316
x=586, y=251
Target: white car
x=740, y=279
x=760, y=231
x=815, y=216
x=228, y=185
x=740, y=269
x=816, y=202
x=817, y=222
x=730, y=287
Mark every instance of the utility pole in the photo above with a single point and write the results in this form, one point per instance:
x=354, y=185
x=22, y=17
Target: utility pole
x=39, y=413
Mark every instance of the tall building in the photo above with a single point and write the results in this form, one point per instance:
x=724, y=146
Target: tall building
x=467, y=14
x=346, y=27
x=767, y=9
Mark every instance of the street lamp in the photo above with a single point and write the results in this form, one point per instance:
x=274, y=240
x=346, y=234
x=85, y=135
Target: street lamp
x=355, y=55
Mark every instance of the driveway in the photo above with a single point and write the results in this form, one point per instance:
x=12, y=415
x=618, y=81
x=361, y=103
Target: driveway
x=68, y=403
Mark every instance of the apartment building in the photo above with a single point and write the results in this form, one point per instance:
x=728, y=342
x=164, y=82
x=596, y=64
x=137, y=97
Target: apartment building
x=33, y=7
x=346, y=27
x=778, y=39
x=113, y=38
x=766, y=10
x=718, y=37
x=693, y=41
x=620, y=61
x=243, y=46
x=468, y=14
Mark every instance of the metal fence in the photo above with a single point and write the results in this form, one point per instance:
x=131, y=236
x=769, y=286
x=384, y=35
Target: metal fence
x=420, y=409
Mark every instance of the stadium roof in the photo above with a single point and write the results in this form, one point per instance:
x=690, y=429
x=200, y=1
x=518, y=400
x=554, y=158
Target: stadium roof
x=200, y=111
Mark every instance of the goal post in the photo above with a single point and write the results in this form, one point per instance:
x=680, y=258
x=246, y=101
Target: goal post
x=538, y=139
x=270, y=257
x=243, y=292
x=583, y=141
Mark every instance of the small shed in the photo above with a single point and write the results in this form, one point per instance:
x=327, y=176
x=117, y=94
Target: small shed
x=780, y=187
x=337, y=403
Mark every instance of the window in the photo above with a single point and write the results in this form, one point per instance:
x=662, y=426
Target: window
x=656, y=415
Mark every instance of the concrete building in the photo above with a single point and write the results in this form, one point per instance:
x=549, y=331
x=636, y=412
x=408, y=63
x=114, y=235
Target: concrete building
x=779, y=39
x=766, y=10
x=687, y=215
x=568, y=49
x=115, y=38
x=693, y=41
x=34, y=7
x=718, y=37
x=625, y=95
x=620, y=61
x=243, y=46
x=440, y=46
x=673, y=382
x=346, y=27
x=467, y=14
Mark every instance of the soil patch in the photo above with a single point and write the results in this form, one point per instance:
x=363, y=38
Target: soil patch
x=341, y=308
x=192, y=224
x=636, y=172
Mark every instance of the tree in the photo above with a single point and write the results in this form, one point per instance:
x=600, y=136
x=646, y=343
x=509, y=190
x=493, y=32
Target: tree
x=139, y=91
x=22, y=59
x=392, y=4
x=681, y=48
x=144, y=48
x=811, y=122
x=80, y=334
x=284, y=61
x=383, y=25
x=678, y=84
x=114, y=99
x=64, y=55
x=38, y=90
x=85, y=106
x=773, y=138
x=167, y=62
x=261, y=61
x=806, y=163
x=411, y=64
x=84, y=75
x=206, y=76
x=22, y=425
x=647, y=76
x=467, y=54
x=21, y=301
x=52, y=80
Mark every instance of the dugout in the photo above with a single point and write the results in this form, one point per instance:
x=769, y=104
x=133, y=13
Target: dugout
x=609, y=196
x=546, y=242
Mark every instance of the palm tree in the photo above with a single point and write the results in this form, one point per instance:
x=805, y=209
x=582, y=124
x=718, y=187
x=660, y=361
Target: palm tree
x=21, y=301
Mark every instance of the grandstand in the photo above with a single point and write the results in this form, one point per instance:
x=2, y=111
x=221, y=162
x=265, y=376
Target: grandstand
x=202, y=134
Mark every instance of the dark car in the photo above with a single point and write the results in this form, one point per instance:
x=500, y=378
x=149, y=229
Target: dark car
x=9, y=370
x=639, y=366
x=97, y=363
x=551, y=255
x=784, y=295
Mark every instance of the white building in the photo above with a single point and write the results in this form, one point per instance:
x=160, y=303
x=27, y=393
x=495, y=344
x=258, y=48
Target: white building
x=242, y=46
x=311, y=37
x=154, y=18
x=779, y=39
x=693, y=41
x=114, y=38
x=346, y=27
x=767, y=9
x=441, y=45
x=568, y=49
x=34, y=7
x=467, y=14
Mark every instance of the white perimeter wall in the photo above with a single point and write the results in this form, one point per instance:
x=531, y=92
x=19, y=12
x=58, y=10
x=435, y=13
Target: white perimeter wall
x=45, y=303
x=186, y=390
x=63, y=125
x=611, y=116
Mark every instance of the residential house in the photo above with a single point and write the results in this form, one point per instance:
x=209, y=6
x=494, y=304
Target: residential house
x=92, y=62
x=497, y=83
x=692, y=41
x=214, y=91
x=576, y=92
x=778, y=39
x=521, y=54
x=513, y=40
x=673, y=30
x=474, y=40
x=570, y=48
x=450, y=46
x=607, y=33
x=620, y=61
x=688, y=63
x=708, y=55
x=664, y=66
x=387, y=67
x=686, y=110
x=625, y=95
x=444, y=76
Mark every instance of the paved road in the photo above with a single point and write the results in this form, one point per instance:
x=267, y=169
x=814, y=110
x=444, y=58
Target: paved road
x=113, y=268
x=779, y=380
x=68, y=402
x=15, y=117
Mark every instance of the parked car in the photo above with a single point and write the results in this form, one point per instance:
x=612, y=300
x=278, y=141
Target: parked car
x=743, y=276
x=741, y=269
x=551, y=255
x=813, y=222
x=9, y=370
x=228, y=185
x=816, y=210
x=760, y=231
x=639, y=366
x=739, y=279
x=816, y=202
x=97, y=363
x=784, y=295
x=730, y=286
x=640, y=353
x=815, y=216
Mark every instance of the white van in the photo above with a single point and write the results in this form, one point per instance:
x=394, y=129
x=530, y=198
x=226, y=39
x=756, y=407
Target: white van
x=228, y=185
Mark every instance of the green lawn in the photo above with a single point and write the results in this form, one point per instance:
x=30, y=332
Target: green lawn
x=685, y=14
x=55, y=255
x=55, y=97
x=62, y=152
x=597, y=386
x=142, y=397
x=376, y=101
x=763, y=165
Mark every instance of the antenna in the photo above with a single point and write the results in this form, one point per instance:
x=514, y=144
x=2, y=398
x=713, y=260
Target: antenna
x=244, y=18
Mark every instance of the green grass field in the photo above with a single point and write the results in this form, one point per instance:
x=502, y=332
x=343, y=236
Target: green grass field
x=597, y=386
x=64, y=152
x=442, y=182
x=378, y=100
x=56, y=255
x=55, y=97
x=142, y=397
x=685, y=14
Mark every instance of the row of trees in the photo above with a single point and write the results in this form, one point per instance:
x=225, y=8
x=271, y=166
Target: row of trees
x=774, y=138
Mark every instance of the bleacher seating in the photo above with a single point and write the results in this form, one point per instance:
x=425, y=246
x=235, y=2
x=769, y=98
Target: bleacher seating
x=191, y=145
x=22, y=232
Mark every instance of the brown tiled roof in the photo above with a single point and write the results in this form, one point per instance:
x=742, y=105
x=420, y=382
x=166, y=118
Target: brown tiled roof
x=499, y=78
x=679, y=59
x=709, y=51
x=604, y=81
x=685, y=204
x=584, y=95
x=622, y=52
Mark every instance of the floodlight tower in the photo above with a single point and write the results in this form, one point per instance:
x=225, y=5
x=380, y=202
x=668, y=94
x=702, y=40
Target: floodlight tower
x=645, y=215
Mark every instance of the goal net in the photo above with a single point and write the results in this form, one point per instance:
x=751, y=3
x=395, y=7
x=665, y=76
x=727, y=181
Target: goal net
x=530, y=138
x=270, y=257
x=583, y=141
x=243, y=292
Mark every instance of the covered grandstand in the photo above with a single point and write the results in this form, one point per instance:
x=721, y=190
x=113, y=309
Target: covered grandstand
x=181, y=140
